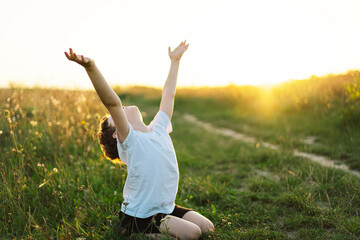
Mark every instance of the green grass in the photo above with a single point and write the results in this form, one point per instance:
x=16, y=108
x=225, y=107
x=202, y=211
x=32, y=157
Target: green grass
x=339, y=141
x=326, y=109
x=57, y=185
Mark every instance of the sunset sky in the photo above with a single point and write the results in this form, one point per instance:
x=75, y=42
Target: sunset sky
x=239, y=42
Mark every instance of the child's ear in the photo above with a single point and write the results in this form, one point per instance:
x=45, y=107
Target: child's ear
x=114, y=135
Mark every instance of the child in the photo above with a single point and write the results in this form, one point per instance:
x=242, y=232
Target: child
x=151, y=185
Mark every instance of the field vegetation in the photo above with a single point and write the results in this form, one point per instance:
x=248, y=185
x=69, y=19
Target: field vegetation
x=320, y=115
x=56, y=183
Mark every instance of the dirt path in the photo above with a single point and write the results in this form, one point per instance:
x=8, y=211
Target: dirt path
x=322, y=160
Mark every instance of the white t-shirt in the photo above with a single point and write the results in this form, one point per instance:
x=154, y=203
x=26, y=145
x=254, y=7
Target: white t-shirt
x=153, y=174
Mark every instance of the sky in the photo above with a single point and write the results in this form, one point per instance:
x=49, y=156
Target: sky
x=231, y=42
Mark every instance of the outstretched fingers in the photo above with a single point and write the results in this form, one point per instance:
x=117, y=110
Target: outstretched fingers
x=184, y=46
x=67, y=56
x=76, y=58
x=177, y=53
x=72, y=56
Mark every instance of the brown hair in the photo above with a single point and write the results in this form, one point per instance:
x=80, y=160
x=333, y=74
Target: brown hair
x=107, y=142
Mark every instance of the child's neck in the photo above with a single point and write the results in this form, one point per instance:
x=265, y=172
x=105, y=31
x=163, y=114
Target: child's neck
x=140, y=126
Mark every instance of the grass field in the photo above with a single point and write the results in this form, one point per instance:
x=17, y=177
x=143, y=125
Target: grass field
x=56, y=184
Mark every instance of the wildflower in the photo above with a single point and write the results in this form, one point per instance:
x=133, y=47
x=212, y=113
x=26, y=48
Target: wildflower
x=1, y=132
x=83, y=123
x=33, y=123
x=115, y=193
x=7, y=114
x=55, y=170
x=229, y=223
x=40, y=165
x=223, y=220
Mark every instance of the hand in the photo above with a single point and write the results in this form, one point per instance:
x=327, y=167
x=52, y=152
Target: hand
x=178, y=52
x=83, y=61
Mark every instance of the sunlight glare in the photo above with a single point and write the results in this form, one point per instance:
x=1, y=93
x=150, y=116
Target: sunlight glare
x=231, y=42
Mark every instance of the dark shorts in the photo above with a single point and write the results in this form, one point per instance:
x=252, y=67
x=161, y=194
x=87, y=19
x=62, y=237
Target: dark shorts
x=147, y=225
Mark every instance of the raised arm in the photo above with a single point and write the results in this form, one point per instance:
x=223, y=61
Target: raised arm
x=106, y=94
x=168, y=93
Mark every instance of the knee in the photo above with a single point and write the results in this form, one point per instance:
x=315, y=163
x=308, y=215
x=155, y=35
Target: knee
x=206, y=226
x=193, y=233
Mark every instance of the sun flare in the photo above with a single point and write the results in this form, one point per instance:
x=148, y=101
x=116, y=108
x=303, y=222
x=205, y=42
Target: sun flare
x=231, y=42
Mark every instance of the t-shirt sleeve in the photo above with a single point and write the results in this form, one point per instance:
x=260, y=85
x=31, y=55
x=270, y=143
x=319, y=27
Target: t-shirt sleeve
x=162, y=122
x=129, y=140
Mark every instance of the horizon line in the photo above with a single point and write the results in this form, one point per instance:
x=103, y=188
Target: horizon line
x=12, y=84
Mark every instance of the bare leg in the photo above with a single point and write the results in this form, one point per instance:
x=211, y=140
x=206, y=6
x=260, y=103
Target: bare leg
x=179, y=228
x=204, y=223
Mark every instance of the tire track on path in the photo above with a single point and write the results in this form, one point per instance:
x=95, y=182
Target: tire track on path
x=322, y=160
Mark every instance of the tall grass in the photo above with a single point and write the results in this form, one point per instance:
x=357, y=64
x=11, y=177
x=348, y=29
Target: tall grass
x=326, y=109
x=48, y=152
x=56, y=183
x=313, y=94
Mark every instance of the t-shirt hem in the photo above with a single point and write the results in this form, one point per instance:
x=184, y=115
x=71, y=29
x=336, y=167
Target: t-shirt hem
x=139, y=215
